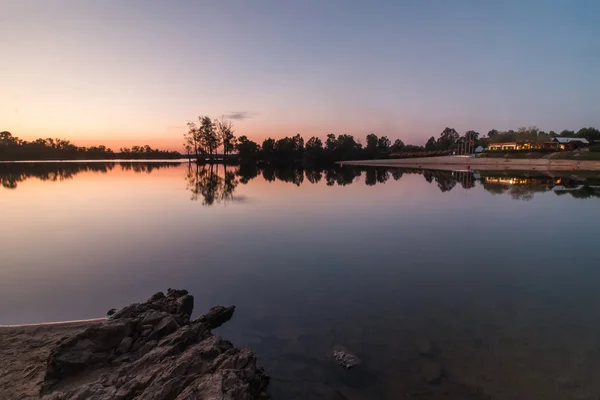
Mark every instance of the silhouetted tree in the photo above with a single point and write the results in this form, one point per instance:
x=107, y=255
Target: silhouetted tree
x=447, y=139
x=247, y=149
x=397, y=146
x=567, y=133
x=226, y=136
x=314, y=149
x=431, y=144
x=268, y=149
x=590, y=134
x=372, y=145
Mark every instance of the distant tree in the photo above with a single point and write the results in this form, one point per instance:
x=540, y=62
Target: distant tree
x=247, y=149
x=431, y=144
x=13, y=148
x=298, y=146
x=383, y=145
x=567, y=133
x=590, y=134
x=192, y=137
x=372, y=145
x=285, y=149
x=225, y=133
x=552, y=134
x=397, y=146
x=209, y=137
x=6, y=138
x=314, y=149
x=447, y=138
x=268, y=149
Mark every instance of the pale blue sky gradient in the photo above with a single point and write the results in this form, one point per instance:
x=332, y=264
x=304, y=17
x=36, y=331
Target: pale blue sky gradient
x=118, y=71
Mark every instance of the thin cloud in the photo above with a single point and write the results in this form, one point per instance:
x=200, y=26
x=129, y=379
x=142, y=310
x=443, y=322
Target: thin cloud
x=240, y=115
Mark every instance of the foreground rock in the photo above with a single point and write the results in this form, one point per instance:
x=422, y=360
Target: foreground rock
x=153, y=351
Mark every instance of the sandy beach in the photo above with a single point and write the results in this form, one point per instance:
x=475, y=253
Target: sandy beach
x=24, y=351
x=462, y=163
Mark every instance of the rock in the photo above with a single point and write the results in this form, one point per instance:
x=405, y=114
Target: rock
x=111, y=311
x=166, y=326
x=186, y=305
x=156, y=296
x=345, y=358
x=176, y=293
x=125, y=345
x=431, y=371
x=152, y=351
x=216, y=316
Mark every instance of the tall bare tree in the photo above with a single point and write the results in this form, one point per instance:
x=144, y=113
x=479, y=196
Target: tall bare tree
x=225, y=133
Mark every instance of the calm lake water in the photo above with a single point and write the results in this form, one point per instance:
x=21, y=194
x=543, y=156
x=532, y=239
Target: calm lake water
x=491, y=277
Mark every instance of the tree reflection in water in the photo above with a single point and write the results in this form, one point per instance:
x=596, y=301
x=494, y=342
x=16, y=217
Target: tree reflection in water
x=217, y=183
x=11, y=174
x=216, y=189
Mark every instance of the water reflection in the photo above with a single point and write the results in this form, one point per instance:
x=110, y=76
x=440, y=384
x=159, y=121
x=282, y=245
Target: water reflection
x=11, y=174
x=216, y=184
x=205, y=181
x=378, y=260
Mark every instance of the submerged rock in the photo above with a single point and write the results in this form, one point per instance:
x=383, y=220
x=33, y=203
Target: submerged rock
x=345, y=358
x=152, y=351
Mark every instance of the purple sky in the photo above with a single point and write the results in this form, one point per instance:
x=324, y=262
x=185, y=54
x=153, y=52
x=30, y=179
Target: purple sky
x=120, y=72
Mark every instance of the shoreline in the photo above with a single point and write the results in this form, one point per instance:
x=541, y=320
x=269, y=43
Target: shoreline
x=24, y=351
x=156, y=338
x=54, y=323
x=453, y=163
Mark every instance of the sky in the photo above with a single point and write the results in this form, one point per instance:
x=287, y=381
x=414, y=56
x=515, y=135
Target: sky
x=135, y=71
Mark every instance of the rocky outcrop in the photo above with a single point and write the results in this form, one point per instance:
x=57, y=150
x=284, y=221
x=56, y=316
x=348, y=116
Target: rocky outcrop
x=153, y=351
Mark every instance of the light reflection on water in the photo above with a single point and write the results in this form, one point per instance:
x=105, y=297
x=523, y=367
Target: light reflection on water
x=497, y=270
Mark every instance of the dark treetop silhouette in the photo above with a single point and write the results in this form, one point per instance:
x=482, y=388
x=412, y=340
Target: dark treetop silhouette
x=208, y=135
x=12, y=148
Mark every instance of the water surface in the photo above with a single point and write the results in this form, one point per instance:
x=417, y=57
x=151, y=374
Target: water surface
x=499, y=272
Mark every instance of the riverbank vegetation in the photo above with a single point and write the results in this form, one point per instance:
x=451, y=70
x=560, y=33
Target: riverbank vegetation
x=213, y=140
x=13, y=148
x=206, y=136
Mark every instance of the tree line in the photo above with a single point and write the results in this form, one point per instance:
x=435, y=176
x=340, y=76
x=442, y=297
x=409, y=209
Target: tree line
x=208, y=135
x=14, y=148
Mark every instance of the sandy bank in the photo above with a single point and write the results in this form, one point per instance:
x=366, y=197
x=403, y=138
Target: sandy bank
x=145, y=350
x=24, y=350
x=461, y=163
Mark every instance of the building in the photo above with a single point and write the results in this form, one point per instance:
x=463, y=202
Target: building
x=504, y=146
x=558, y=143
x=570, y=143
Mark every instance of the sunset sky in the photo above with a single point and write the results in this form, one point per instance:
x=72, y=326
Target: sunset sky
x=134, y=71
